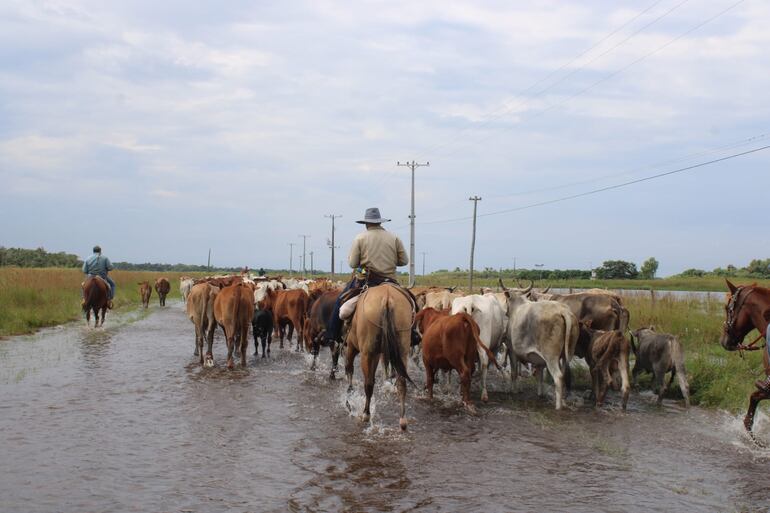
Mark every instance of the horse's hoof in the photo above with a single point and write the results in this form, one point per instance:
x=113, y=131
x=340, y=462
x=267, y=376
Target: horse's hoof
x=484, y=396
x=365, y=417
x=230, y=364
x=402, y=423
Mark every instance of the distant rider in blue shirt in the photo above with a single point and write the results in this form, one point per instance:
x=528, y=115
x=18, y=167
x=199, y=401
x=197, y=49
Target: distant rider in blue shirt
x=98, y=265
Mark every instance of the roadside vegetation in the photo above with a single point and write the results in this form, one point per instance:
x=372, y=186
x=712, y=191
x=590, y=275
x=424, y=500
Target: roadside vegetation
x=31, y=299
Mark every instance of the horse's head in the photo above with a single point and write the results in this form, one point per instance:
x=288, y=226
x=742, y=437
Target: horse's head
x=744, y=311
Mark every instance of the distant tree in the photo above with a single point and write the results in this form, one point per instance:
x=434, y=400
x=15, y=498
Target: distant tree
x=617, y=270
x=759, y=268
x=693, y=273
x=649, y=268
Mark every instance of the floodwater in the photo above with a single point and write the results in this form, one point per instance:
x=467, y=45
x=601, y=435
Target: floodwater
x=123, y=419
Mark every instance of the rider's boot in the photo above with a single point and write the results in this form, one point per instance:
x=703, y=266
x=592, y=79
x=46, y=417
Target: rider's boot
x=109, y=304
x=763, y=384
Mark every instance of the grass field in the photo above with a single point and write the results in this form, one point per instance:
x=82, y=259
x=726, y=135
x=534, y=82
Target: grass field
x=31, y=299
x=34, y=298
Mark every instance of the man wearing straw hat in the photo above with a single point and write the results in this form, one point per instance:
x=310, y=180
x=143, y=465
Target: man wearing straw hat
x=375, y=254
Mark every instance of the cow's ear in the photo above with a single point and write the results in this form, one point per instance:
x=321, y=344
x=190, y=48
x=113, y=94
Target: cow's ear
x=587, y=322
x=730, y=286
x=507, y=294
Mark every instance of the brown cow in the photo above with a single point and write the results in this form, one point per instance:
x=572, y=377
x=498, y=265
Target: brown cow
x=145, y=291
x=162, y=287
x=452, y=342
x=289, y=309
x=233, y=310
x=200, y=309
x=427, y=316
x=605, y=352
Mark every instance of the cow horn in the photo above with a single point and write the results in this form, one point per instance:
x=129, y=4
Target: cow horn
x=531, y=284
x=518, y=282
x=500, y=281
x=547, y=289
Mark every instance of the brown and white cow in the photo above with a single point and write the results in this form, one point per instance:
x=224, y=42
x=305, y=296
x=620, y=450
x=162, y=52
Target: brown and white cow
x=233, y=310
x=145, y=291
x=452, y=342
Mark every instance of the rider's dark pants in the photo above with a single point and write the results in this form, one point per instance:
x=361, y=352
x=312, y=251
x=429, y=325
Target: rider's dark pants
x=334, y=323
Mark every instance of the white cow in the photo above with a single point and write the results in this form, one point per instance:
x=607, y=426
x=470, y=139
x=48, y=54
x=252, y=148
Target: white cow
x=185, y=286
x=543, y=333
x=440, y=299
x=490, y=317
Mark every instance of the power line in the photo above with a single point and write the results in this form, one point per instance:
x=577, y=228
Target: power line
x=603, y=189
x=501, y=112
x=386, y=176
x=615, y=73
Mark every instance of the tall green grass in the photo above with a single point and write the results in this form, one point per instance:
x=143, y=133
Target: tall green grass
x=31, y=299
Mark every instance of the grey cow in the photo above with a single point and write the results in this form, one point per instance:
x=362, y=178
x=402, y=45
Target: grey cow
x=660, y=353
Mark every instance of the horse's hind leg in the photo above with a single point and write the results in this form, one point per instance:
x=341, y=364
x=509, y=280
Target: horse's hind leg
x=350, y=358
x=748, y=420
x=369, y=369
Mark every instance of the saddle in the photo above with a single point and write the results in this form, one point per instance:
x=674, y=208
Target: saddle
x=83, y=283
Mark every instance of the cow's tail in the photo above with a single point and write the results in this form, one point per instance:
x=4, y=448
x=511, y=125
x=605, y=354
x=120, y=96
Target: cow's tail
x=238, y=289
x=677, y=357
x=391, y=347
x=473, y=327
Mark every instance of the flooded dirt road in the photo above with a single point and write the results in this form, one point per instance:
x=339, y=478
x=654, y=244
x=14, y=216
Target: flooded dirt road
x=123, y=419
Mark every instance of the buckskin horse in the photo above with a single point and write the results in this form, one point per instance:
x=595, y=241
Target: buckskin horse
x=748, y=308
x=95, y=293
x=381, y=325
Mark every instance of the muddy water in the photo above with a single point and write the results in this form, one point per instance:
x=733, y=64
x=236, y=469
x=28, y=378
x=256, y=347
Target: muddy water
x=122, y=419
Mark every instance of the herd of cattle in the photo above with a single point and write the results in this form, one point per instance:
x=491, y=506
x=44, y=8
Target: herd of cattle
x=528, y=329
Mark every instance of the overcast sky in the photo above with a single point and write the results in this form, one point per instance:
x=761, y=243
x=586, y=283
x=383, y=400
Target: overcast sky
x=162, y=129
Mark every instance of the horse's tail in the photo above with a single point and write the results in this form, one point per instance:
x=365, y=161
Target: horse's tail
x=391, y=347
x=677, y=357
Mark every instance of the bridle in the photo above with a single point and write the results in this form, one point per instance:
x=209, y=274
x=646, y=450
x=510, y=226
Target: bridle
x=733, y=308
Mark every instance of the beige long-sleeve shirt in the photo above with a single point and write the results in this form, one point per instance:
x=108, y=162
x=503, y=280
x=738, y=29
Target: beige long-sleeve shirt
x=379, y=250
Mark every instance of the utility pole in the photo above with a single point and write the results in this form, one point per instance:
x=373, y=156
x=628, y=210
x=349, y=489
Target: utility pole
x=291, y=256
x=475, y=200
x=208, y=263
x=304, y=255
x=412, y=165
x=311, y=263
x=423, y=263
x=331, y=242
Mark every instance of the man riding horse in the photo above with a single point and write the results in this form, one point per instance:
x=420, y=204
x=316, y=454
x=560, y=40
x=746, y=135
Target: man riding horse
x=375, y=254
x=99, y=265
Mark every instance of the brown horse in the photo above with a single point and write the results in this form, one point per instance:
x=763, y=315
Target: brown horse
x=748, y=308
x=381, y=326
x=95, y=293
